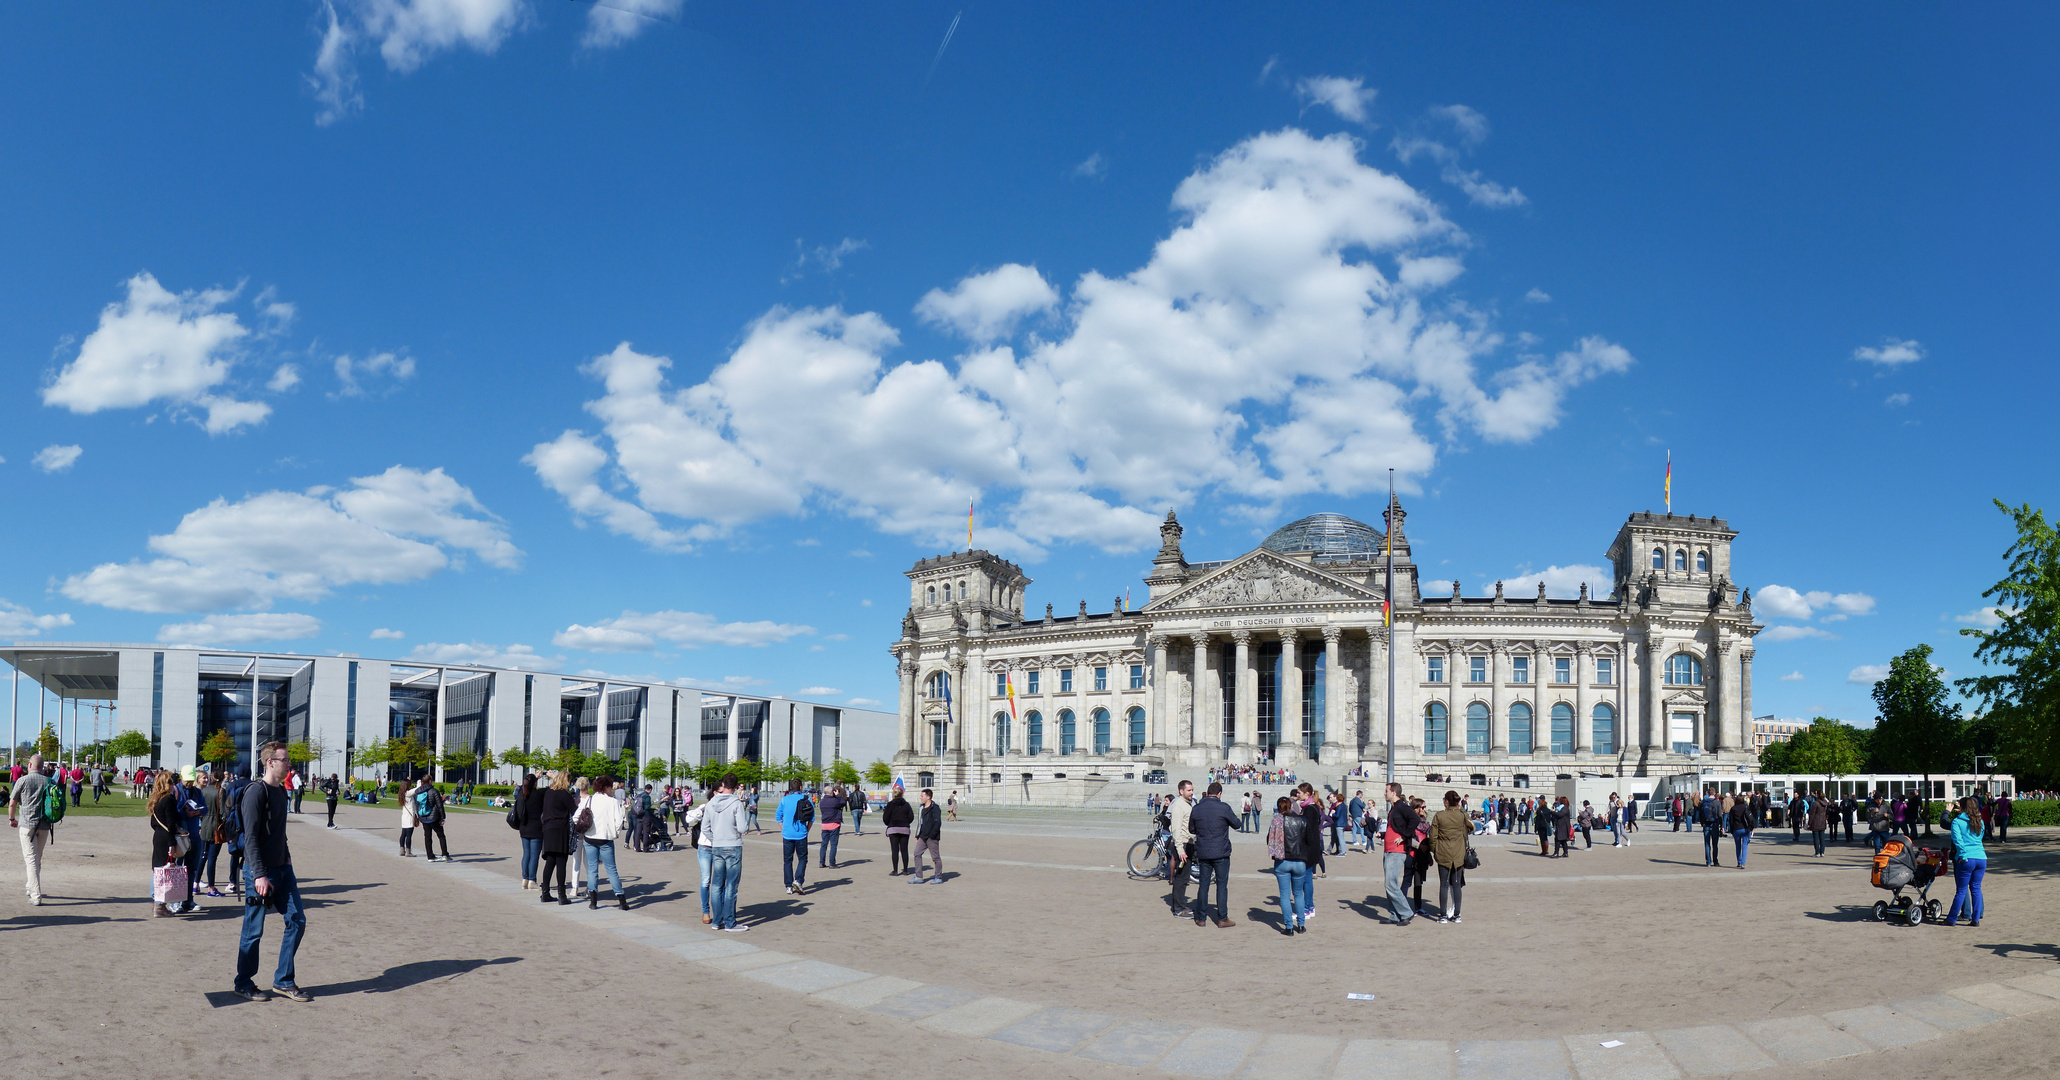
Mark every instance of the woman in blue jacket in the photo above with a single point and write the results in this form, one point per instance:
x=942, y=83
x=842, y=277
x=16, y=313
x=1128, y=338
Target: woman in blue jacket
x=1970, y=864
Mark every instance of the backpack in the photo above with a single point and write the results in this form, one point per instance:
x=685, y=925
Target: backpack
x=804, y=813
x=429, y=807
x=53, y=803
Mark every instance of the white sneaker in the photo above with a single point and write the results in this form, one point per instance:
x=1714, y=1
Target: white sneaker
x=737, y=929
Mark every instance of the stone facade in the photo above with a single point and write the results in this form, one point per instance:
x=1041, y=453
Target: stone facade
x=1281, y=655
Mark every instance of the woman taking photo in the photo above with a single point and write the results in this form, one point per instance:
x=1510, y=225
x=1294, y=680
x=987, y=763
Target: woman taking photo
x=554, y=824
x=606, y=824
x=1970, y=864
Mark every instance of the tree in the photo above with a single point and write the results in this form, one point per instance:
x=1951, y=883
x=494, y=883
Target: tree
x=567, y=759
x=129, y=744
x=2021, y=702
x=843, y=772
x=1919, y=730
x=407, y=753
x=47, y=743
x=1775, y=758
x=302, y=752
x=595, y=763
x=879, y=774
x=218, y=750
x=1826, y=748
x=681, y=769
x=456, y=759
x=655, y=769
x=514, y=757
x=373, y=754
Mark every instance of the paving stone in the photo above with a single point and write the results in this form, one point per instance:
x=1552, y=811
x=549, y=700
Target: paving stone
x=1514, y=1059
x=868, y=992
x=914, y=1004
x=1133, y=1042
x=1946, y=1012
x=1640, y=1058
x=1367, y=1059
x=1292, y=1055
x=749, y=961
x=807, y=976
x=708, y=948
x=1209, y=1052
x=1058, y=1030
x=1795, y=1040
x=1882, y=1026
x=2005, y=1000
x=979, y=1017
x=2043, y=984
x=1713, y=1050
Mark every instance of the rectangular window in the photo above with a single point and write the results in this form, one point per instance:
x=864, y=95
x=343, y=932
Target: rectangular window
x=1478, y=669
x=1033, y=681
x=1436, y=672
x=157, y=708
x=1065, y=680
x=1137, y=679
x=1605, y=670
x=350, y=712
x=1562, y=669
x=1101, y=678
x=1001, y=684
x=1520, y=669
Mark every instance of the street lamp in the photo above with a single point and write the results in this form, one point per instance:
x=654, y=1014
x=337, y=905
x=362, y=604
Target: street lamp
x=176, y=747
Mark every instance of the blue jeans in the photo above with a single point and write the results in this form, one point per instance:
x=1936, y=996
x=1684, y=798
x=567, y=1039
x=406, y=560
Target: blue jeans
x=793, y=861
x=1742, y=840
x=1967, y=875
x=1878, y=838
x=827, y=854
x=532, y=851
x=296, y=922
x=1297, y=890
x=601, y=853
x=1392, y=865
x=725, y=869
x=1817, y=837
x=704, y=856
x=212, y=855
x=1712, y=840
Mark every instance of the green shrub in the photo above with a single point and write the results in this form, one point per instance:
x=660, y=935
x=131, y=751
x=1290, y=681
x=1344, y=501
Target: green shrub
x=2034, y=812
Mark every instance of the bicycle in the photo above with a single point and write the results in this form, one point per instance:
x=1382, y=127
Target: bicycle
x=1150, y=856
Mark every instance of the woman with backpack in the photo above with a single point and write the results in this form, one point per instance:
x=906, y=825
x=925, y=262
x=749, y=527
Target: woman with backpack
x=605, y=822
x=429, y=815
x=529, y=826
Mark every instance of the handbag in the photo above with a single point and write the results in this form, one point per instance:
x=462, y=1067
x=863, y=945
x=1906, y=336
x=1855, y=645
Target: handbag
x=168, y=884
x=1472, y=860
x=584, y=820
x=514, y=818
x=182, y=845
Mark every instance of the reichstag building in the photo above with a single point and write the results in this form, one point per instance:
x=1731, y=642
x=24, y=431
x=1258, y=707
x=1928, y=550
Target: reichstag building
x=1281, y=655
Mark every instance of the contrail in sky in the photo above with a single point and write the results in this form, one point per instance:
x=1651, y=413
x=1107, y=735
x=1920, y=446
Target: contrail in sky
x=943, y=45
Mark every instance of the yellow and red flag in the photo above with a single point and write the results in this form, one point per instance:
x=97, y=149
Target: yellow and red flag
x=1670, y=481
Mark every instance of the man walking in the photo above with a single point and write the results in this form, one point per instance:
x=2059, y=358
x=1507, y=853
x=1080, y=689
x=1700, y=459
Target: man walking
x=25, y=815
x=722, y=832
x=1211, y=821
x=330, y=791
x=929, y=832
x=795, y=815
x=270, y=884
x=751, y=810
x=1179, y=823
x=1398, y=843
x=951, y=804
x=1357, y=811
x=1711, y=815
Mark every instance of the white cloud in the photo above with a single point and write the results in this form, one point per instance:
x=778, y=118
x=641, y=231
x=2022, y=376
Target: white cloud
x=829, y=258
x=636, y=632
x=1790, y=632
x=987, y=306
x=241, y=629
x=1782, y=602
x=401, y=525
x=863, y=702
x=1482, y=191
x=1561, y=581
x=1268, y=349
x=1867, y=674
x=842, y=637
x=1538, y=296
x=408, y=33
x=17, y=621
x=1470, y=129
x=1095, y=166
x=1793, y=676
x=1471, y=126
x=818, y=691
x=1985, y=618
x=383, y=634
x=335, y=79
x=1892, y=353
x=479, y=654
x=155, y=345
x=1349, y=98
x=56, y=459
x=619, y=21
x=284, y=379
x=1896, y=400
x=384, y=371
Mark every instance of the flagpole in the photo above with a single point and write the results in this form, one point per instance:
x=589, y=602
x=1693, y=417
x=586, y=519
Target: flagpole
x=1389, y=615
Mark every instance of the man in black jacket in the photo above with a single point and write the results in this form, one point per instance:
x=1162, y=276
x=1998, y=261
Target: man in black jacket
x=1211, y=822
x=268, y=874
x=929, y=831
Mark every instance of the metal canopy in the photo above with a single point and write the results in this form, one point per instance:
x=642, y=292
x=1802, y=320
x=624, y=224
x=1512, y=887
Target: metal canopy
x=85, y=674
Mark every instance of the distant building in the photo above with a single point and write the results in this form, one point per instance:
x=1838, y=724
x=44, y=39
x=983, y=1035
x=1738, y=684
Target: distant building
x=1766, y=729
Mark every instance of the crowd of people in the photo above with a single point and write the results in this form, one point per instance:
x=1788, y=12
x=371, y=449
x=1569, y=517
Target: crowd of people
x=1250, y=774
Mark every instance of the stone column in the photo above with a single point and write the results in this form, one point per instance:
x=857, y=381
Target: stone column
x=1349, y=744
x=908, y=712
x=1291, y=697
x=1653, y=734
x=1198, y=704
x=1333, y=683
x=1743, y=740
x=957, y=733
x=1724, y=703
x=1157, y=730
x=1584, y=726
x=1498, y=720
x=1244, y=749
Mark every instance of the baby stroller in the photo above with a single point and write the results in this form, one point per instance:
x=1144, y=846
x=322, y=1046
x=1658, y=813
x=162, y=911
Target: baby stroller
x=1903, y=865
x=656, y=837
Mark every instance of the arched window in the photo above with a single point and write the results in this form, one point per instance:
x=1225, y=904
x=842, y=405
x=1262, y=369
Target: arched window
x=1680, y=559
x=1605, y=730
x=1477, y=728
x=1101, y=730
x=1659, y=558
x=1434, y=728
x=940, y=684
x=1702, y=562
x=1065, y=731
x=933, y=594
x=962, y=590
x=1136, y=718
x=1684, y=670
x=1562, y=728
x=1520, y=728
x=1034, y=721
x=1001, y=733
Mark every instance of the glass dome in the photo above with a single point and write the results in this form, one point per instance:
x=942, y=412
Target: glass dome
x=1325, y=534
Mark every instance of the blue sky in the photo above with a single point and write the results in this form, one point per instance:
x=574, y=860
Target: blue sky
x=662, y=343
